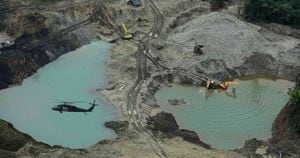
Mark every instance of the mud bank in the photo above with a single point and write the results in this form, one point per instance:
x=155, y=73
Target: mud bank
x=129, y=141
x=232, y=48
x=286, y=136
x=28, y=106
x=124, y=146
x=38, y=33
x=271, y=53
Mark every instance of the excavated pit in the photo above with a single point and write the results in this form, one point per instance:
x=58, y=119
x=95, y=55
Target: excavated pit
x=225, y=119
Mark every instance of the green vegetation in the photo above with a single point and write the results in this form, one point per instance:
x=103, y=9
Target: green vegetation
x=295, y=93
x=297, y=127
x=46, y=1
x=285, y=12
x=7, y=154
x=295, y=100
x=2, y=24
x=50, y=0
x=10, y=138
x=217, y=4
x=295, y=97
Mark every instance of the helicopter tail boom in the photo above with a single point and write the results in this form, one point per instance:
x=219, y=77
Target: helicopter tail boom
x=91, y=108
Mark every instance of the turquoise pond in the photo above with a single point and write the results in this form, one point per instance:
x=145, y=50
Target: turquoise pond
x=225, y=121
x=74, y=76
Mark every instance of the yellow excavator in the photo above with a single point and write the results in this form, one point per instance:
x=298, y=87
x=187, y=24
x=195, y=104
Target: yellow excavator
x=221, y=85
x=126, y=33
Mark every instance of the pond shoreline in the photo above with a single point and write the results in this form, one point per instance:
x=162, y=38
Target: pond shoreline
x=278, y=57
x=66, y=79
x=248, y=111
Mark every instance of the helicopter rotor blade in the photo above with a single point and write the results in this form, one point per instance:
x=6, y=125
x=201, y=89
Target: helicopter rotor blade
x=66, y=102
x=94, y=103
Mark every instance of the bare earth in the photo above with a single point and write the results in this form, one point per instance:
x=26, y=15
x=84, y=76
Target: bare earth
x=232, y=48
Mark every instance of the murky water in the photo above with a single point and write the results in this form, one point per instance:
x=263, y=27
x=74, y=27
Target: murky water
x=72, y=77
x=225, y=121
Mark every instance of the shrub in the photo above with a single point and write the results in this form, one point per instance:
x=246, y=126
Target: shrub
x=295, y=93
x=295, y=97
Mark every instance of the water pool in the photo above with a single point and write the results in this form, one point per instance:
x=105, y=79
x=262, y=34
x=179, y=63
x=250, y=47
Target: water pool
x=225, y=121
x=72, y=77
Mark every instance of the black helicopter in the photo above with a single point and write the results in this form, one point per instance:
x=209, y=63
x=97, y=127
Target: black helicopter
x=68, y=107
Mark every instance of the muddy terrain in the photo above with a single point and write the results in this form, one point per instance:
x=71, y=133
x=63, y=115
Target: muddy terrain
x=165, y=35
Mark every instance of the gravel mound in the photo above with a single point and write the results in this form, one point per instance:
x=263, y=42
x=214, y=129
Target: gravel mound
x=232, y=48
x=223, y=36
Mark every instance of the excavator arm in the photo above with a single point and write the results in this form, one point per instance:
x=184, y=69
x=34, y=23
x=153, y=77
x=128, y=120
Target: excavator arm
x=232, y=83
x=127, y=35
x=225, y=85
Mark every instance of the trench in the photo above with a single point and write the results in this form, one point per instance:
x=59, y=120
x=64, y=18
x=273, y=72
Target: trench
x=225, y=120
x=75, y=76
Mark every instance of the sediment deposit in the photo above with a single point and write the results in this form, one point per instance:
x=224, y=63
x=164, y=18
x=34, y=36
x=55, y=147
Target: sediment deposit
x=232, y=48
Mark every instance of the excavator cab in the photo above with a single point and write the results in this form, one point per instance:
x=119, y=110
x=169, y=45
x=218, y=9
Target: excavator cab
x=210, y=84
x=126, y=34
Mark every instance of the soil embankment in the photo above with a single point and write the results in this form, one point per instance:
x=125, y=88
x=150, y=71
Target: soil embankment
x=36, y=33
x=231, y=48
x=122, y=65
x=286, y=134
x=285, y=124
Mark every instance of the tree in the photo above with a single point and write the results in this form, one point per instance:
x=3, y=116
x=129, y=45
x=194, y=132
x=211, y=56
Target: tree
x=297, y=127
x=217, y=4
x=285, y=12
x=2, y=23
x=295, y=101
x=295, y=93
x=297, y=86
x=295, y=96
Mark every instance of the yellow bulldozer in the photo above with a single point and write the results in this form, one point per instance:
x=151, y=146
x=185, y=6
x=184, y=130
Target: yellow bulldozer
x=126, y=34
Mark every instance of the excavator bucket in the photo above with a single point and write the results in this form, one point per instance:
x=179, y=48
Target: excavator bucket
x=225, y=85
